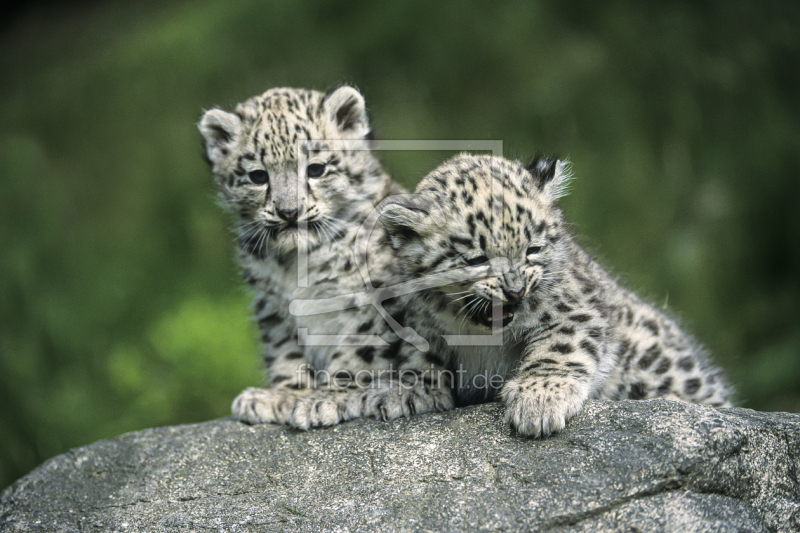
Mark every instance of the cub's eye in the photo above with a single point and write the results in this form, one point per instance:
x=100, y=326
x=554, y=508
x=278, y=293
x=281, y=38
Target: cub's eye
x=258, y=177
x=481, y=259
x=533, y=250
x=315, y=170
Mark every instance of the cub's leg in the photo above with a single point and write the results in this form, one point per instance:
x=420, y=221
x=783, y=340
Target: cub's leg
x=554, y=380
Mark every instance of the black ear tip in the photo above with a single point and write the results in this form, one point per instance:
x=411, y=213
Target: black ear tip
x=543, y=169
x=541, y=164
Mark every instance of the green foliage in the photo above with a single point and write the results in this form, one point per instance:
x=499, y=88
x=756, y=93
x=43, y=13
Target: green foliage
x=120, y=304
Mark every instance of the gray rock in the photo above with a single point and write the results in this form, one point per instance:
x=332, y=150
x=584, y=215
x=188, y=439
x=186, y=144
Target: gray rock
x=624, y=466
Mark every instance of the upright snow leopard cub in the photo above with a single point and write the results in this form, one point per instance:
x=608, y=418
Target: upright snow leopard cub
x=295, y=168
x=556, y=329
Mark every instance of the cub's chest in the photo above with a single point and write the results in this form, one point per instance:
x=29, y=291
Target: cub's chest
x=480, y=371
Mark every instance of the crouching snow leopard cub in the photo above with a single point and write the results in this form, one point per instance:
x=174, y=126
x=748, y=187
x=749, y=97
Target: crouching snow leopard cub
x=295, y=169
x=526, y=315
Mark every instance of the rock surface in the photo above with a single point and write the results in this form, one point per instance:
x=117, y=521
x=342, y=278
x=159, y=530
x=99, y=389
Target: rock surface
x=624, y=466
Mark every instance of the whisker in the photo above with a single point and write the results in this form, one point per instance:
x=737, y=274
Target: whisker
x=466, y=306
x=469, y=310
x=261, y=239
x=456, y=293
x=325, y=229
x=250, y=227
x=461, y=297
x=334, y=225
x=474, y=309
x=483, y=308
x=328, y=216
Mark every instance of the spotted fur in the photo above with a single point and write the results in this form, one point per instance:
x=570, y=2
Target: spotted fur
x=295, y=169
x=551, y=327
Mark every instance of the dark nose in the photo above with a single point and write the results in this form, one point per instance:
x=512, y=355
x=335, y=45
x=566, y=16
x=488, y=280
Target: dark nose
x=289, y=215
x=514, y=295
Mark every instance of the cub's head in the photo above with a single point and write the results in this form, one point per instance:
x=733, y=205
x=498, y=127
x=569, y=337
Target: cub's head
x=489, y=230
x=294, y=165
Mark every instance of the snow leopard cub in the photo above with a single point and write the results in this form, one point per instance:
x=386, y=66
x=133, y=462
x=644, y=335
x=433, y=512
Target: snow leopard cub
x=527, y=316
x=295, y=169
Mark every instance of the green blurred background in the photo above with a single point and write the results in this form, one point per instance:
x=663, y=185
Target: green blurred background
x=120, y=300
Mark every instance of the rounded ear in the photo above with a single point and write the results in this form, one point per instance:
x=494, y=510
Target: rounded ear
x=409, y=217
x=345, y=108
x=220, y=131
x=551, y=176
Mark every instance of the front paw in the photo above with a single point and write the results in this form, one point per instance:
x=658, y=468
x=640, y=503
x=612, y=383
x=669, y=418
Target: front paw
x=395, y=399
x=259, y=406
x=323, y=408
x=537, y=409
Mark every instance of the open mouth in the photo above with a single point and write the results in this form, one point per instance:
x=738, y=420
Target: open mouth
x=495, y=315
